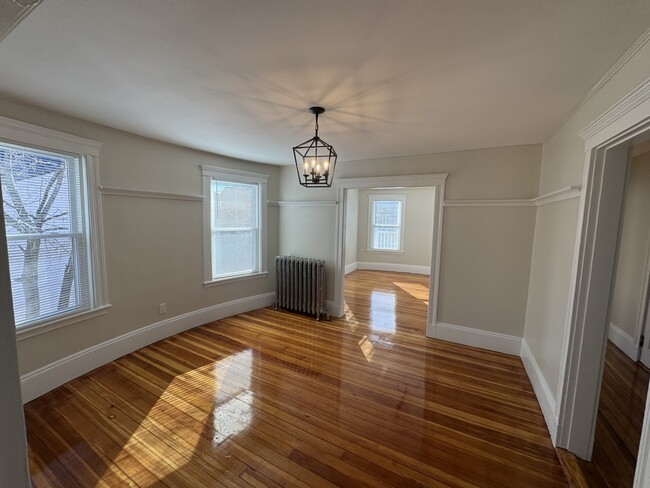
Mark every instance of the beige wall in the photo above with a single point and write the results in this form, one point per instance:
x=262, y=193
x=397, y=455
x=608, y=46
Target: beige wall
x=352, y=227
x=485, y=267
x=548, y=293
x=418, y=228
x=633, y=247
x=153, y=247
x=466, y=272
x=563, y=162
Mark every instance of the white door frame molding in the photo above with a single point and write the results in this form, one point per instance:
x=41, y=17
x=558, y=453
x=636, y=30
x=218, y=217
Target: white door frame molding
x=608, y=140
x=14, y=467
x=437, y=181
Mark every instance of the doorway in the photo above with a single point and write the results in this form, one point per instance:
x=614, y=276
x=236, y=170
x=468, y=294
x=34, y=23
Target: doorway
x=629, y=300
x=388, y=248
x=608, y=141
x=434, y=181
x=624, y=384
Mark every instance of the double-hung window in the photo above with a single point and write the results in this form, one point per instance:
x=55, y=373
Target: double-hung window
x=386, y=223
x=235, y=214
x=55, y=271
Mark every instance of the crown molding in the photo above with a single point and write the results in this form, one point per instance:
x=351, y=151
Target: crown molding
x=628, y=103
x=616, y=67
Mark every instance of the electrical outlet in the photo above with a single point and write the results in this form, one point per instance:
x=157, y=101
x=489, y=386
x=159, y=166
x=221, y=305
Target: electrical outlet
x=162, y=308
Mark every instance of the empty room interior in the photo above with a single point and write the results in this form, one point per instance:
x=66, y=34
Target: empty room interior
x=338, y=243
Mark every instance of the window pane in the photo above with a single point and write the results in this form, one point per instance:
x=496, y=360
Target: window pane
x=386, y=238
x=48, y=257
x=235, y=205
x=234, y=228
x=234, y=252
x=387, y=212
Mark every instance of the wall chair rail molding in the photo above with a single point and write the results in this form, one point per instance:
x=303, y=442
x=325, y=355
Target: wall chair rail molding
x=137, y=193
x=565, y=193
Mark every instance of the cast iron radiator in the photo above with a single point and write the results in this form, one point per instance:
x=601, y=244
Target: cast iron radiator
x=300, y=285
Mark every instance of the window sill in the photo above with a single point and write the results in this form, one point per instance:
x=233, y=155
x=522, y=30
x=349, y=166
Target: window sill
x=385, y=251
x=40, y=328
x=233, y=279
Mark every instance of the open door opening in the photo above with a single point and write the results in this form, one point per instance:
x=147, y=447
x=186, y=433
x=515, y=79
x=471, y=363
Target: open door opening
x=597, y=370
x=624, y=384
x=349, y=190
x=389, y=237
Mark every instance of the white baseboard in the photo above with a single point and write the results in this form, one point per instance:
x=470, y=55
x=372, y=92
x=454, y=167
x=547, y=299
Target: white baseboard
x=624, y=341
x=350, y=268
x=543, y=393
x=396, y=268
x=478, y=338
x=40, y=381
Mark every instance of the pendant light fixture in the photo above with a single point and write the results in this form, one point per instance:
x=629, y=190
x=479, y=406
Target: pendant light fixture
x=315, y=159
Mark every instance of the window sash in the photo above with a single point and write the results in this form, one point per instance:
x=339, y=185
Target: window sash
x=217, y=258
x=386, y=236
x=39, y=305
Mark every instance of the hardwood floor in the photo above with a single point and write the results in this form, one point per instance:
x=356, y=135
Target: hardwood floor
x=277, y=399
x=619, y=422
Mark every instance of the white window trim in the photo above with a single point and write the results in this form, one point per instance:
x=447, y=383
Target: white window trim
x=396, y=198
x=33, y=136
x=236, y=176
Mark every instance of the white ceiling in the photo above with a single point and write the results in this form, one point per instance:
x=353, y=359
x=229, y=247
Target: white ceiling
x=397, y=77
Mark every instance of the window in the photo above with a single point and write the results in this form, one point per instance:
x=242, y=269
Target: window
x=386, y=223
x=54, y=268
x=235, y=211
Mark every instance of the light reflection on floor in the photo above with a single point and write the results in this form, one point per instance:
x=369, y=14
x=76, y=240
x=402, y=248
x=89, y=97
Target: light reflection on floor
x=367, y=348
x=350, y=319
x=232, y=415
x=382, y=311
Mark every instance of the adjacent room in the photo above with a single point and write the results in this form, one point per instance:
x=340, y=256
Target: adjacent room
x=315, y=244
x=389, y=234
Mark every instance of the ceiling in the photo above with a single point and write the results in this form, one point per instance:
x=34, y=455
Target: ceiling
x=397, y=77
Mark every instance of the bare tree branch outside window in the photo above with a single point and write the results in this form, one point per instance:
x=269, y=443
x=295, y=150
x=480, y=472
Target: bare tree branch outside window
x=37, y=210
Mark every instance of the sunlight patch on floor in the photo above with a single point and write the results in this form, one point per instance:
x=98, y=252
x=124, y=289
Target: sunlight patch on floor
x=367, y=348
x=417, y=291
x=350, y=319
x=229, y=379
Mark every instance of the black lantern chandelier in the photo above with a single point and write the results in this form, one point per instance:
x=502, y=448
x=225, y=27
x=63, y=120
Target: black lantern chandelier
x=315, y=159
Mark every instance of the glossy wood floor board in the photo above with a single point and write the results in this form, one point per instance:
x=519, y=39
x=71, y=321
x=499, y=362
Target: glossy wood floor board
x=619, y=422
x=277, y=399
